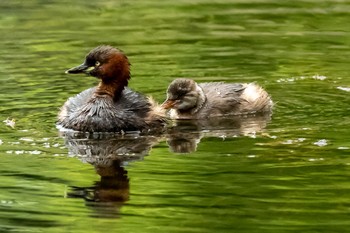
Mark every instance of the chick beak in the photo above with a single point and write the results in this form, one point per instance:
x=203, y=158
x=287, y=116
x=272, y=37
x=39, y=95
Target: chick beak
x=168, y=104
x=83, y=68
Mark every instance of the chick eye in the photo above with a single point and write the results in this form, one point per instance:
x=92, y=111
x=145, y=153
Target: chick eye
x=97, y=63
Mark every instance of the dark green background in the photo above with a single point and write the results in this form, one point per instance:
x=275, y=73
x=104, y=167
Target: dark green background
x=280, y=179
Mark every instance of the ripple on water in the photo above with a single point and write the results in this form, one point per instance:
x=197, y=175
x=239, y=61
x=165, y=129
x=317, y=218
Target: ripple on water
x=288, y=173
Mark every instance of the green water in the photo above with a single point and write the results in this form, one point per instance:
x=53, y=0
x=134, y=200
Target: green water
x=289, y=173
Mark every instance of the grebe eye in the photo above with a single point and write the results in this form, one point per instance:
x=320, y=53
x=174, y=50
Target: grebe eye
x=97, y=63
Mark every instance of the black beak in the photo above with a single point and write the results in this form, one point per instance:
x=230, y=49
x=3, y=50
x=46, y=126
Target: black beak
x=83, y=68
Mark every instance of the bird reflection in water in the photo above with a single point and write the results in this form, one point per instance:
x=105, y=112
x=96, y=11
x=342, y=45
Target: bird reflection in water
x=106, y=196
x=107, y=153
x=185, y=135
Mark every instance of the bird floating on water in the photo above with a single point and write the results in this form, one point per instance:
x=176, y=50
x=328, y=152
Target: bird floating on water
x=187, y=99
x=111, y=106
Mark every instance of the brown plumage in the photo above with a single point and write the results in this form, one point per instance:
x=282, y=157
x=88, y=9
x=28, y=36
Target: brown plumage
x=111, y=106
x=188, y=100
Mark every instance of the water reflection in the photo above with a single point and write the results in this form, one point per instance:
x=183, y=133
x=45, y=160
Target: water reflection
x=106, y=196
x=107, y=153
x=100, y=148
x=185, y=135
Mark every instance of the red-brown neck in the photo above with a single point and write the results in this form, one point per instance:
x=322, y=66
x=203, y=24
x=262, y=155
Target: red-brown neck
x=114, y=76
x=113, y=89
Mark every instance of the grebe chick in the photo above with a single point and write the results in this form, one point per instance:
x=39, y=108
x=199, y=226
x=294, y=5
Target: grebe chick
x=188, y=100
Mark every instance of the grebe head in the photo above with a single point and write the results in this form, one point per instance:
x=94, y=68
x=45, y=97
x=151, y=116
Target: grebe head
x=182, y=94
x=106, y=63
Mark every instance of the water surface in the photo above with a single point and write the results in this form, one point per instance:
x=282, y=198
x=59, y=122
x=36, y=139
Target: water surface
x=285, y=174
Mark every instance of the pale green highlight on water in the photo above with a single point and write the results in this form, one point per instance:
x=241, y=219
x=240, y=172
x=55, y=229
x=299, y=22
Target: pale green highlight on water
x=290, y=175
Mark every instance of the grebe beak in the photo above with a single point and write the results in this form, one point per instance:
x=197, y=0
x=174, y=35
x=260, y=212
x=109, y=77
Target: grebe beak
x=83, y=68
x=168, y=104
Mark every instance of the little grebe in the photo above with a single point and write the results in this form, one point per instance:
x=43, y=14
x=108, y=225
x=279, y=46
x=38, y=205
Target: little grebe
x=111, y=106
x=188, y=100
